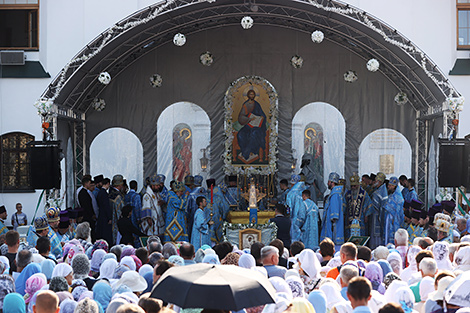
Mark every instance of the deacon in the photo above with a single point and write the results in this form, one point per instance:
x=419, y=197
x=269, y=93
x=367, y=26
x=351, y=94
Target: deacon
x=197, y=191
x=233, y=193
x=375, y=216
x=200, y=233
x=333, y=220
x=393, y=210
x=357, y=202
x=3, y=217
x=410, y=194
x=307, y=221
x=294, y=203
x=282, y=195
x=414, y=230
x=53, y=218
x=175, y=226
x=153, y=220
x=116, y=201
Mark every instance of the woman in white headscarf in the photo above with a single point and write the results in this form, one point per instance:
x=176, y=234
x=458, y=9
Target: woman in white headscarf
x=63, y=270
x=396, y=262
x=128, y=262
x=462, y=259
x=333, y=294
x=440, y=249
x=281, y=286
x=391, y=290
x=404, y=297
x=309, y=270
x=412, y=266
x=107, y=269
x=247, y=261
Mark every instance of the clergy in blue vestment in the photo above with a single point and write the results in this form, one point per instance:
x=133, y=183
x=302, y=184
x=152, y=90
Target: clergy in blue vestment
x=40, y=229
x=333, y=220
x=313, y=180
x=307, y=221
x=410, y=193
x=189, y=183
x=393, y=211
x=53, y=218
x=175, y=222
x=197, y=191
x=375, y=216
x=3, y=217
x=294, y=203
x=357, y=202
x=217, y=210
x=200, y=231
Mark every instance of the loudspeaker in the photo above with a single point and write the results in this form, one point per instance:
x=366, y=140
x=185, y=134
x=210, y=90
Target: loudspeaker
x=45, y=167
x=454, y=163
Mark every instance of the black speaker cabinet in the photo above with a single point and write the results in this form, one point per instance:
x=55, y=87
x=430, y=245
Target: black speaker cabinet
x=454, y=163
x=45, y=166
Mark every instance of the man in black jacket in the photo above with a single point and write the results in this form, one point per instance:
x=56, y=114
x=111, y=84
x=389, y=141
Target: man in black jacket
x=86, y=203
x=283, y=225
x=104, y=228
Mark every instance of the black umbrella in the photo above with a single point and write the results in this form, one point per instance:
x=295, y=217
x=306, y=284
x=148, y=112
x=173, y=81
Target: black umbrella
x=208, y=286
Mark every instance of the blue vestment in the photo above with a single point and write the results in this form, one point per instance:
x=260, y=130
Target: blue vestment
x=252, y=139
x=410, y=195
x=56, y=247
x=295, y=203
x=376, y=215
x=3, y=228
x=232, y=195
x=200, y=235
x=334, y=211
x=175, y=222
x=307, y=222
x=414, y=231
x=393, y=215
x=356, y=205
x=192, y=206
x=219, y=210
x=282, y=196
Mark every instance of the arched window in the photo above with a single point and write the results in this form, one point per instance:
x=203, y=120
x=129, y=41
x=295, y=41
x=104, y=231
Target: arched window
x=320, y=129
x=385, y=150
x=15, y=169
x=117, y=151
x=182, y=151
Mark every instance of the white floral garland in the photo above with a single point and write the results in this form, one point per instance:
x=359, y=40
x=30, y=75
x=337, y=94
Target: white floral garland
x=98, y=104
x=229, y=169
x=455, y=104
x=44, y=106
x=401, y=98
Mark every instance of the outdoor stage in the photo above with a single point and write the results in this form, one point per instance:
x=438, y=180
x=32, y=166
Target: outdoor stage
x=182, y=104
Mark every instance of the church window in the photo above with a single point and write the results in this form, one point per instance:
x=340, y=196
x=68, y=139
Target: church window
x=15, y=164
x=463, y=24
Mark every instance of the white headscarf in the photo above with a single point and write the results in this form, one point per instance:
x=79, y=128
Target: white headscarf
x=394, y=286
x=5, y=261
x=333, y=294
x=107, y=268
x=334, y=262
x=462, y=259
x=97, y=259
x=144, y=269
x=129, y=262
x=396, y=262
x=62, y=270
x=440, y=249
x=404, y=294
x=412, y=266
x=309, y=263
x=247, y=261
x=426, y=287
x=281, y=286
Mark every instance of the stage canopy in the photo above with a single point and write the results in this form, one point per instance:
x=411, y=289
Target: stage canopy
x=349, y=126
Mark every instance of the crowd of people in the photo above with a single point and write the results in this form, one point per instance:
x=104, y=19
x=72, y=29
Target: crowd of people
x=93, y=258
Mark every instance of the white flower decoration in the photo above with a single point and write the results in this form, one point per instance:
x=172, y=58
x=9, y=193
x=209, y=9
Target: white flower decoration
x=297, y=61
x=317, y=36
x=373, y=65
x=179, y=39
x=247, y=22
x=104, y=78
x=350, y=76
x=156, y=80
x=98, y=104
x=43, y=106
x=206, y=58
x=401, y=98
x=455, y=104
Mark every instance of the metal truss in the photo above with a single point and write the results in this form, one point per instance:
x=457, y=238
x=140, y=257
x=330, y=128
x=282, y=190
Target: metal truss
x=80, y=151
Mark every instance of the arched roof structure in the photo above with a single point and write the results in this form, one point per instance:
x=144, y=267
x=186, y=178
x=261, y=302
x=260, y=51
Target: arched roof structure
x=402, y=62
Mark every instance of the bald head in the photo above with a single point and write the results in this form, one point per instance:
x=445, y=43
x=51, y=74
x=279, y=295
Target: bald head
x=46, y=302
